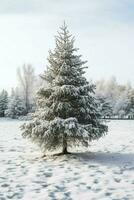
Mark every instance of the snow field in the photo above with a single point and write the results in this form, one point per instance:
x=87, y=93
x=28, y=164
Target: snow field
x=104, y=173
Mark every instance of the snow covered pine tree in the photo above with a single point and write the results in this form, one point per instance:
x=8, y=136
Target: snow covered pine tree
x=3, y=102
x=67, y=113
x=16, y=107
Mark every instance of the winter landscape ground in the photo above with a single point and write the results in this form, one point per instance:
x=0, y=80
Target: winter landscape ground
x=105, y=173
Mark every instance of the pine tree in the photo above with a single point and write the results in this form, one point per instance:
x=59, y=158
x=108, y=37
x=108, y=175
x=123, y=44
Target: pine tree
x=104, y=107
x=3, y=102
x=131, y=108
x=67, y=114
x=16, y=105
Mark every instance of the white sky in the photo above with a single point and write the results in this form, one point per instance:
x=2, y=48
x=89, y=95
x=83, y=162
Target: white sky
x=104, y=31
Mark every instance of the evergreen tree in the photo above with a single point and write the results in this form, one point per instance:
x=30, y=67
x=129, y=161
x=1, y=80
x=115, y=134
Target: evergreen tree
x=67, y=113
x=131, y=108
x=16, y=106
x=104, y=107
x=3, y=102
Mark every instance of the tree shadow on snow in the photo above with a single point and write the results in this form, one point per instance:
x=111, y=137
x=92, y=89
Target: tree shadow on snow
x=108, y=159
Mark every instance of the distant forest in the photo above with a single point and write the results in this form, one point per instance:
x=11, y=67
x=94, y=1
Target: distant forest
x=115, y=101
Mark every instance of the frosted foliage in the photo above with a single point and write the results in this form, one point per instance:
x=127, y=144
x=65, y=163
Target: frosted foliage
x=104, y=106
x=16, y=105
x=3, y=102
x=119, y=97
x=67, y=112
x=27, y=86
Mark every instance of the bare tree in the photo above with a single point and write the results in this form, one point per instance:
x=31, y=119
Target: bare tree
x=26, y=77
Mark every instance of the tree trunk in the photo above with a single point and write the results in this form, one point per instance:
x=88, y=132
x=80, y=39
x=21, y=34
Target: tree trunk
x=65, y=146
x=65, y=150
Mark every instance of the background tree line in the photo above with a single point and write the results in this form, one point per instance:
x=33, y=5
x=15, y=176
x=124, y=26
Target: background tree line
x=115, y=100
x=21, y=101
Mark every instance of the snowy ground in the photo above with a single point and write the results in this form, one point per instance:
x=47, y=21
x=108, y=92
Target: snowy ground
x=106, y=173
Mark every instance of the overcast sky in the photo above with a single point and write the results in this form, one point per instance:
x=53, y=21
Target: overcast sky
x=104, y=32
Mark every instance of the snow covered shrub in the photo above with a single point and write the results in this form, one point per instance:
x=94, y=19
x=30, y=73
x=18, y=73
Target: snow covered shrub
x=67, y=113
x=27, y=117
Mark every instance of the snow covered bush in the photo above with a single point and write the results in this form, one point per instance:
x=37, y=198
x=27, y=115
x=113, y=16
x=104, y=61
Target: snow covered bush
x=67, y=113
